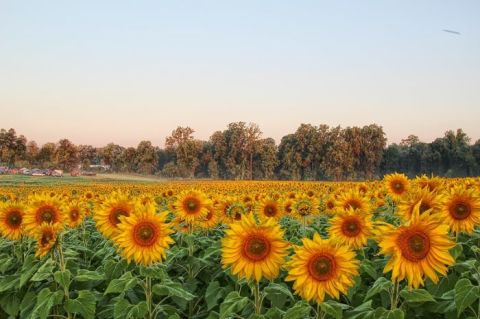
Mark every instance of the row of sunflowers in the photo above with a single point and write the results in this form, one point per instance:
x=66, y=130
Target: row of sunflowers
x=380, y=249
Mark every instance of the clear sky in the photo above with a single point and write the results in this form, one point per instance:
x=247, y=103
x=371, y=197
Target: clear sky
x=123, y=71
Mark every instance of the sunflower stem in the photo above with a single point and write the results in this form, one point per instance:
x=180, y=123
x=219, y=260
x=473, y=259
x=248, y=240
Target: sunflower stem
x=148, y=296
x=394, y=296
x=257, y=298
x=320, y=313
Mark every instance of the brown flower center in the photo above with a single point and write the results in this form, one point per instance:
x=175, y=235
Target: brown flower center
x=191, y=205
x=145, y=234
x=74, y=214
x=256, y=248
x=322, y=266
x=352, y=203
x=460, y=210
x=414, y=244
x=14, y=219
x=270, y=210
x=46, y=214
x=351, y=227
x=116, y=214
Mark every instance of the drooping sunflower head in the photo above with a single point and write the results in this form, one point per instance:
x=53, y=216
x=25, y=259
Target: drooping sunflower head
x=252, y=250
x=11, y=220
x=192, y=205
x=46, y=235
x=427, y=199
x=322, y=267
x=417, y=249
x=269, y=208
x=111, y=211
x=352, y=199
x=352, y=228
x=397, y=185
x=144, y=236
x=461, y=209
x=305, y=207
x=211, y=219
x=44, y=208
x=232, y=210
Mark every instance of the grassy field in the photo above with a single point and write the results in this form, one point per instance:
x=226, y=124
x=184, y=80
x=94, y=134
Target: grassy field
x=22, y=180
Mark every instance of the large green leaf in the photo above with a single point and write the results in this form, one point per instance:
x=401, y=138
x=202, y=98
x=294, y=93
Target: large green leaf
x=127, y=281
x=9, y=282
x=333, y=308
x=213, y=293
x=46, y=299
x=416, y=295
x=63, y=278
x=381, y=284
x=277, y=294
x=84, y=304
x=233, y=304
x=465, y=294
x=300, y=310
x=88, y=275
x=45, y=271
x=172, y=289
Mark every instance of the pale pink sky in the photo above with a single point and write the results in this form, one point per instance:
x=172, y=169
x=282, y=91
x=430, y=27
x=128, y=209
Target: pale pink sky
x=99, y=72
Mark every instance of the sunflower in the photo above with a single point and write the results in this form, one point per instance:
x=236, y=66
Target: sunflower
x=322, y=267
x=397, y=185
x=211, y=218
x=252, y=250
x=461, y=209
x=44, y=208
x=11, y=220
x=192, y=205
x=305, y=207
x=46, y=235
x=417, y=248
x=351, y=227
x=427, y=199
x=352, y=199
x=231, y=210
x=269, y=208
x=76, y=212
x=144, y=236
x=109, y=214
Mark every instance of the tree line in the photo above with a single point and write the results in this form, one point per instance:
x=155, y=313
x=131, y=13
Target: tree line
x=240, y=152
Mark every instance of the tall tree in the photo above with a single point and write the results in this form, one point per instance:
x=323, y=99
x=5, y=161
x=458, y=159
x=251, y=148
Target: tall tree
x=66, y=155
x=186, y=149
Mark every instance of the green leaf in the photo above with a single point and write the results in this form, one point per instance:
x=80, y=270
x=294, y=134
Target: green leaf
x=416, y=295
x=29, y=267
x=232, y=304
x=274, y=313
x=172, y=289
x=88, y=275
x=277, y=294
x=333, y=308
x=213, y=293
x=45, y=271
x=10, y=303
x=381, y=284
x=155, y=271
x=465, y=294
x=360, y=311
x=84, y=304
x=45, y=301
x=394, y=314
x=456, y=251
x=124, y=283
x=63, y=278
x=368, y=268
x=9, y=282
x=300, y=310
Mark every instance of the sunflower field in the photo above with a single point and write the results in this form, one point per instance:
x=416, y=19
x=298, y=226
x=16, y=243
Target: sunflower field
x=394, y=248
